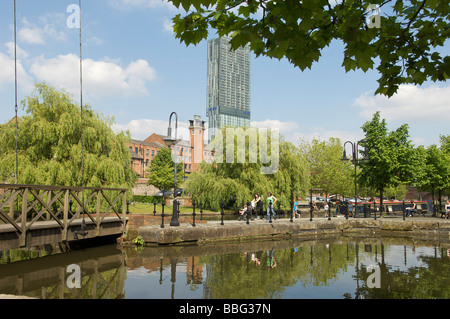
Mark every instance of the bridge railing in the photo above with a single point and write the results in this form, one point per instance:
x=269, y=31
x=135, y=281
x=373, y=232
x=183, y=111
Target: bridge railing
x=23, y=206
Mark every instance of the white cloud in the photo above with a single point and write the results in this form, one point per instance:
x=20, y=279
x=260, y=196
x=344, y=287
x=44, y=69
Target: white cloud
x=293, y=132
x=7, y=73
x=100, y=78
x=49, y=27
x=410, y=103
x=21, y=54
x=168, y=25
x=31, y=35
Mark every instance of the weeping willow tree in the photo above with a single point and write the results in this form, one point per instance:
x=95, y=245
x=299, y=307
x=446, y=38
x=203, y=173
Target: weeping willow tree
x=49, y=145
x=235, y=176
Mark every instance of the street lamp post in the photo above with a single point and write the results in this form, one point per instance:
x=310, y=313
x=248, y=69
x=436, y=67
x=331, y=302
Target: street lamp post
x=170, y=142
x=355, y=160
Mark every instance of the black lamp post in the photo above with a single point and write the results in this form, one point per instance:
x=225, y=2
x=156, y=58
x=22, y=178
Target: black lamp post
x=355, y=160
x=170, y=142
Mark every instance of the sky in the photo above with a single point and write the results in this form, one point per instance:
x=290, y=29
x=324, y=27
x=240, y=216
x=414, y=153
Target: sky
x=135, y=70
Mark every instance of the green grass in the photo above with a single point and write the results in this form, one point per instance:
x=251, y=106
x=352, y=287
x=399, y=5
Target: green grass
x=142, y=208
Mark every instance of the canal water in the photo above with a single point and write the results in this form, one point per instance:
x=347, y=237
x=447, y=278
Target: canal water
x=337, y=268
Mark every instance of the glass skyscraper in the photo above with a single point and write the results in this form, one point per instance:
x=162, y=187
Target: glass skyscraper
x=228, y=86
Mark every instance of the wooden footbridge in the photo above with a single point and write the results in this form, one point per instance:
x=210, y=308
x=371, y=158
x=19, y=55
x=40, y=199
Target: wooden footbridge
x=34, y=215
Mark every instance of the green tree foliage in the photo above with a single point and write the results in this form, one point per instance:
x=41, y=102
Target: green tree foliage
x=328, y=173
x=435, y=170
x=235, y=182
x=392, y=158
x=162, y=170
x=49, y=145
x=405, y=45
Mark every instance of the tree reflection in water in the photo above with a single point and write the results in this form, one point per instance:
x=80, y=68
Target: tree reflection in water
x=337, y=268
x=330, y=268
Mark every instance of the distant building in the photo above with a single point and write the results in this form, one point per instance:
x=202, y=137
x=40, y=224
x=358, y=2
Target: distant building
x=190, y=153
x=228, y=86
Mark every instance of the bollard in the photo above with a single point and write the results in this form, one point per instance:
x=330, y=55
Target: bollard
x=154, y=209
x=346, y=211
x=201, y=210
x=270, y=213
x=221, y=213
x=128, y=204
x=310, y=211
x=162, y=213
x=193, y=213
x=329, y=210
x=292, y=211
x=248, y=212
x=403, y=208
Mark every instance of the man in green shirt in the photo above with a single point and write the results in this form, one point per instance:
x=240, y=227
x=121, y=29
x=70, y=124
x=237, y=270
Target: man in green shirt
x=271, y=200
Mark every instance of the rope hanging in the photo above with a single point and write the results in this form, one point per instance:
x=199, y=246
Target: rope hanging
x=81, y=106
x=15, y=93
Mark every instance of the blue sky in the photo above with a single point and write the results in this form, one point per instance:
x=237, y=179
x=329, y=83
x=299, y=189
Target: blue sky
x=136, y=71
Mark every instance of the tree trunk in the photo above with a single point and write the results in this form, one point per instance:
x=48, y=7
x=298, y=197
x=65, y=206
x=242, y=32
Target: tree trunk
x=432, y=200
x=381, y=202
x=440, y=203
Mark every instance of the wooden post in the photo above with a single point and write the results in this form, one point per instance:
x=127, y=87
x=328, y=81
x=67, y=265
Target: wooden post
x=64, y=236
x=97, y=214
x=124, y=211
x=23, y=226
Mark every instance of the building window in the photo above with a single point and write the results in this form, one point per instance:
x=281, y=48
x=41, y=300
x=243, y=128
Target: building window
x=153, y=153
x=147, y=151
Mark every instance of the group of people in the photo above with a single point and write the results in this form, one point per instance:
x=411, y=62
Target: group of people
x=256, y=207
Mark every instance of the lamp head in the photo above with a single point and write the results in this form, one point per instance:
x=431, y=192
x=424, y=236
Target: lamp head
x=344, y=158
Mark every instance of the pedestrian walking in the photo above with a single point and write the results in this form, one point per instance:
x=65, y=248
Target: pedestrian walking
x=327, y=209
x=295, y=210
x=271, y=200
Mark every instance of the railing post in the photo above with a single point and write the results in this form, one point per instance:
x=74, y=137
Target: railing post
x=221, y=212
x=162, y=213
x=270, y=213
x=248, y=212
x=201, y=210
x=23, y=235
x=124, y=211
x=65, y=215
x=403, y=210
x=98, y=210
x=193, y=213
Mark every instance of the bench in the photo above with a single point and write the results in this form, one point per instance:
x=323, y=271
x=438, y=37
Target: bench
x=421, y=207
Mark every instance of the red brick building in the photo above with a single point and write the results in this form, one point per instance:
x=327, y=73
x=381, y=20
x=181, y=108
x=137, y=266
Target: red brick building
x=191, y=153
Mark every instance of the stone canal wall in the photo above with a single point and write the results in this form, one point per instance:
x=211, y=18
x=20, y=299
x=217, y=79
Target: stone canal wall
x=262, y=230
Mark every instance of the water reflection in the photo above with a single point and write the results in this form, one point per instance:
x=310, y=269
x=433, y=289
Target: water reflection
x=329, y=268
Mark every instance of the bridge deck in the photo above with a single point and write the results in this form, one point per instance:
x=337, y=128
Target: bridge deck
x=50, y=232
